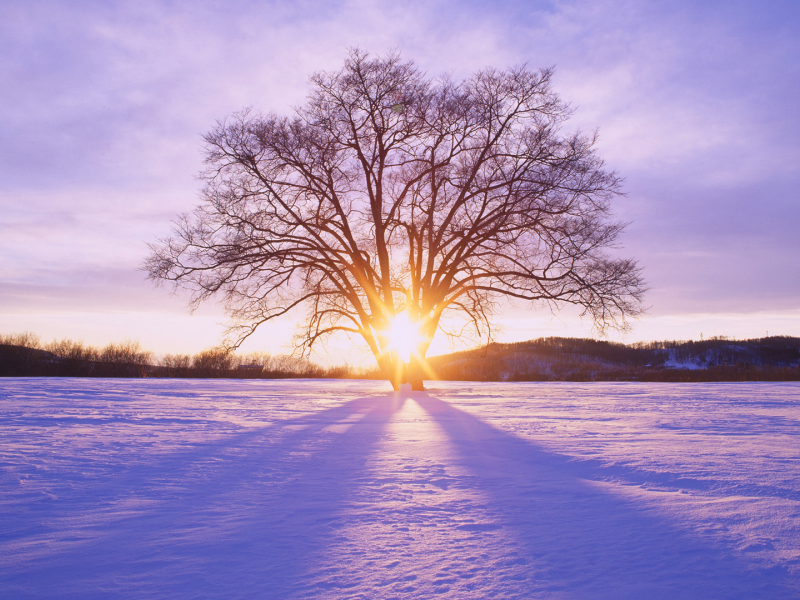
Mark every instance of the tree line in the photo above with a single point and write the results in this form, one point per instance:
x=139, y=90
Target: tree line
x=25, y=355
x=775, y=358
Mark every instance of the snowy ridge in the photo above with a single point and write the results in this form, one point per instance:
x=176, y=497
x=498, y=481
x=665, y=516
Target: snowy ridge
x=570, y=359
x=336, y=489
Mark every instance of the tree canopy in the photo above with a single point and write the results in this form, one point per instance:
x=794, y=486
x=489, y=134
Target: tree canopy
x=390, y=194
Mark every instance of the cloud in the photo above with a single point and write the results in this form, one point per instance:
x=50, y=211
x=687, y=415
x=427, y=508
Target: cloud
x=105, y=104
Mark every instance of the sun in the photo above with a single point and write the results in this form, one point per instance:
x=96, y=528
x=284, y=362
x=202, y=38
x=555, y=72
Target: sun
x=403, y=335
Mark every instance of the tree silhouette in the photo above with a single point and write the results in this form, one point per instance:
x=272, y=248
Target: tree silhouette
x=392, y=194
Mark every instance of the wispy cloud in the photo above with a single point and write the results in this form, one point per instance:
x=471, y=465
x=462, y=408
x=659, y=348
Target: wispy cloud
x=105, y=102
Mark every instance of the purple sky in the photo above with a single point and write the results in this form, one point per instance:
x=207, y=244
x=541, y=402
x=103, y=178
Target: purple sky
x=103, y=105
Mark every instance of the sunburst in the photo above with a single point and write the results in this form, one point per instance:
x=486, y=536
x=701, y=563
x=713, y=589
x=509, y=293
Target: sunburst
x=404, y=336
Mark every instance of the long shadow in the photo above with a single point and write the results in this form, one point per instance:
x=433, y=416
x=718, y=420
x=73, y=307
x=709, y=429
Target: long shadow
x=242, y=517
x=577, y=539
x=234, y=518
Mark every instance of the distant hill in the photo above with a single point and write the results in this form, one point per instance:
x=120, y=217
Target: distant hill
x=571, y=359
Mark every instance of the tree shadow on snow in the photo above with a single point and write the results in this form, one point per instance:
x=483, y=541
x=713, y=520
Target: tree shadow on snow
x=247, y=515
x=233, y=518
x=577, y=539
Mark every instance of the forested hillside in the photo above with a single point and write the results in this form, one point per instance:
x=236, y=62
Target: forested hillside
x=570, y=359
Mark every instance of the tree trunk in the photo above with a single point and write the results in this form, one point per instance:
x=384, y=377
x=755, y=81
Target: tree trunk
x=416, y=373
x=398, y=372
x=394, y=370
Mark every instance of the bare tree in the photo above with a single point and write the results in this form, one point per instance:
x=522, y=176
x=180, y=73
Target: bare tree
x=392, y=195
x=127, y=352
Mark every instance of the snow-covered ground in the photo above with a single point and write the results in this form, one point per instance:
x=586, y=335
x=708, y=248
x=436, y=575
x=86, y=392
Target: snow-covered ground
x=337, y=489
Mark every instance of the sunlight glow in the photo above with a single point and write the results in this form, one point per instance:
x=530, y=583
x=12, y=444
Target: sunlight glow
x=404, y=336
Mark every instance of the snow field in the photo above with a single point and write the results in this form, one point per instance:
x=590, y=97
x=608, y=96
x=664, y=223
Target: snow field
x=337, y=489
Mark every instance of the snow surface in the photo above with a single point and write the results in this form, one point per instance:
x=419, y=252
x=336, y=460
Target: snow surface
x=337, y=489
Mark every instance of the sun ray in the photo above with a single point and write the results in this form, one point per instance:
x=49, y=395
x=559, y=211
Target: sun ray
x=404, y=336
